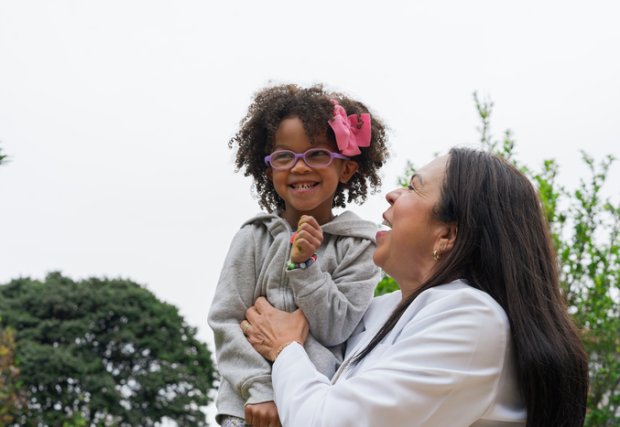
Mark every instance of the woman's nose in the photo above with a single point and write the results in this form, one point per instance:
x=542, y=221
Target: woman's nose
x=393, y=195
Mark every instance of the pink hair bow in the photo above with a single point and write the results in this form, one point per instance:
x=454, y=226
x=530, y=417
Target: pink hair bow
x=350, y=132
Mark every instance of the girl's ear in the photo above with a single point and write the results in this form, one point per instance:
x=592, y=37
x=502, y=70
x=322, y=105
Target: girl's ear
x=269, y=174
x=348, y=170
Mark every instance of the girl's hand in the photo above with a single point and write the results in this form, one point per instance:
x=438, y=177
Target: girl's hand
x=263, y=414
x=308, y=238
x=269, y=329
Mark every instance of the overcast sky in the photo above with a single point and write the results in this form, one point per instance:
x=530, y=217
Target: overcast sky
x=116, y=114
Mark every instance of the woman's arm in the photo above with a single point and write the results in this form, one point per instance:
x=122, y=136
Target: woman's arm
x=441, y=367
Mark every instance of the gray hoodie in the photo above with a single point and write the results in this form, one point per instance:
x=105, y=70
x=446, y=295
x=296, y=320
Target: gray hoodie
x=333, y=293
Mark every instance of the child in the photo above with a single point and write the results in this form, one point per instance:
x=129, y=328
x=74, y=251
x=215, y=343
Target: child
x=308, y=151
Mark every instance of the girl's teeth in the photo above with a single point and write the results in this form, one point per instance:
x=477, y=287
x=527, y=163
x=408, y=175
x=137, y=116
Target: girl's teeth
x=385, y=225
x=303, y=186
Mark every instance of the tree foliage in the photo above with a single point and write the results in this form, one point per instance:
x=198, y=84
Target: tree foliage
x=585, y=228
x=11, y=393
x=104, y=352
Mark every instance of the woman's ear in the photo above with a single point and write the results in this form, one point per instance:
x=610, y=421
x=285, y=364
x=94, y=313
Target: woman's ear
x=269, y=174
x=447, y=237
x=348, y=170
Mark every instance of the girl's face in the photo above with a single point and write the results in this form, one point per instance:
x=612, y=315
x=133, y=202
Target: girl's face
x=406, y=251
x=306, y=190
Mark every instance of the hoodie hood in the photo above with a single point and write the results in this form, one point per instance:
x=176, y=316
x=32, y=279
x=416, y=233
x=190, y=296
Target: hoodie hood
x=346, y=224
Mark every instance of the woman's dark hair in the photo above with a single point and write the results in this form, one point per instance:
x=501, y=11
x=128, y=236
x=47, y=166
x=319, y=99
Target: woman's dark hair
x=503, y=247
x=314, y=108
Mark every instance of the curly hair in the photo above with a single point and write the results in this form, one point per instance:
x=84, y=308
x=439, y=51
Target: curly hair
x=314, y=108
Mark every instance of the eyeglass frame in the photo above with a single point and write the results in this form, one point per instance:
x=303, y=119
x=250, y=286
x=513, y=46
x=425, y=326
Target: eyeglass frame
x=298, y=156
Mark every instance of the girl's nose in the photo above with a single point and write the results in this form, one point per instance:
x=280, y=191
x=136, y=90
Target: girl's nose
x=300, y=166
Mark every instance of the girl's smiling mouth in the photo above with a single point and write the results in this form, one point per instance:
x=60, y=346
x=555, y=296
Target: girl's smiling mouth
x=303, y=185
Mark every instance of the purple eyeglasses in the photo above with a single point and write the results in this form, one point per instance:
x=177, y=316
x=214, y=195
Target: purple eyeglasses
x=315, y=158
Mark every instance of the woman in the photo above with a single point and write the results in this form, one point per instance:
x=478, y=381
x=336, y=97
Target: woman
x=477, y=336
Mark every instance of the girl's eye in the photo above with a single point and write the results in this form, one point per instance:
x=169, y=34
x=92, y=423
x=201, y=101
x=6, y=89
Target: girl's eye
x=282, y=156
x=319, y=155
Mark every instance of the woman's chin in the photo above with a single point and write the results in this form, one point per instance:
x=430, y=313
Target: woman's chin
x=378, y=259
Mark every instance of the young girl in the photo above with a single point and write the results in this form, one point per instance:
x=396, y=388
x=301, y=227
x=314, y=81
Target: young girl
x=308, y=151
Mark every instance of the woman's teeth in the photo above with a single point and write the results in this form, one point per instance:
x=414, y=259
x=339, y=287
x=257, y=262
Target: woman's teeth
x=385, y=225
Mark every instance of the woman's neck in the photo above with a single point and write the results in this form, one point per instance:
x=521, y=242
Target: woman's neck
x=408, y=286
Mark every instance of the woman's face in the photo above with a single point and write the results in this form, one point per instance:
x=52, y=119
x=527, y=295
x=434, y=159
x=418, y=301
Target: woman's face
x=406, y=251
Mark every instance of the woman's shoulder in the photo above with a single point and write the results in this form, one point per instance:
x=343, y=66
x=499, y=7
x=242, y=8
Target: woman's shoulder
x=438, y=298
x=460, y=305
x=459, y=293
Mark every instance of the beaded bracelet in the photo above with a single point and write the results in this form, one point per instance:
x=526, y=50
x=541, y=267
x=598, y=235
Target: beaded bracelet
x=303, y=265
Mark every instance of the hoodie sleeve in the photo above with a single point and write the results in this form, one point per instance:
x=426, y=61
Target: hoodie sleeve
x=246, y=370
x=334, y=303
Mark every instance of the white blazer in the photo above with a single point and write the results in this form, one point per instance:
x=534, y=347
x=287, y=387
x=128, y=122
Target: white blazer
x=448, y=362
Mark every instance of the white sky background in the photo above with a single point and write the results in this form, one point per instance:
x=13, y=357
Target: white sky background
x=116, y=114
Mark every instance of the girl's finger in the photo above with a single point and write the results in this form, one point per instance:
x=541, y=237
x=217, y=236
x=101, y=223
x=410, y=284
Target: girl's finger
x=308, y=243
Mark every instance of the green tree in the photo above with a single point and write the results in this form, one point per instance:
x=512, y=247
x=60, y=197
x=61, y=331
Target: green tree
x=104, y=352
x=585, y=228
x=11, y=393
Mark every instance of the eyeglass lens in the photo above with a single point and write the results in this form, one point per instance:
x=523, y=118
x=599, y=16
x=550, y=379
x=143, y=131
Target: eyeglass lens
x=314, y=158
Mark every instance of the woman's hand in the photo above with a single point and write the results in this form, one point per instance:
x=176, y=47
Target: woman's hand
x=269, y=329
x=262, y=415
